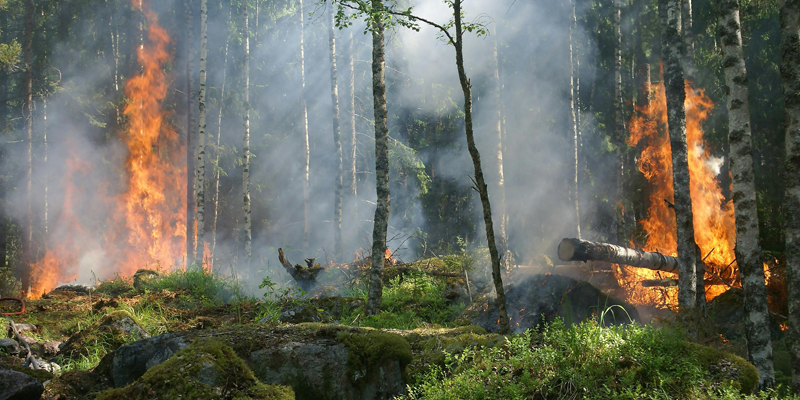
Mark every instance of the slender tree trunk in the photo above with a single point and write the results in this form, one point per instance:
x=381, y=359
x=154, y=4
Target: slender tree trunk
x=248, y=234
x=688, y=39
x=217, y=150
x=574, y=133
x=201, y=144
x=306, y=148
x=748, y=250
x=27, y=110
x=790, y=73
x=497, y=127
x=190, y=125
x=351, y=173
x=619, y=124
x=337, y=143
x=670, y=13
x=642, y=66
x=381, y=219
x=483, y=191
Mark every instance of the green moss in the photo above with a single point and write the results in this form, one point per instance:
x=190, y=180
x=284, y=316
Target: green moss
x=710, y=357
x=108, y=333
x=369, y=348
x=206, y=369
x=115, y=287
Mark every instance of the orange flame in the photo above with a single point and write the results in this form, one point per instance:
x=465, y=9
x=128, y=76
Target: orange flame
x=148, y=226
x=714, y=225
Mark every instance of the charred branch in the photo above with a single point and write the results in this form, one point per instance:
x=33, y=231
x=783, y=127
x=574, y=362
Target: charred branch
x=304, y=275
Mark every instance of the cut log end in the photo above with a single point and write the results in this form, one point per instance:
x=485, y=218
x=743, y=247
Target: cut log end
x=566, y=250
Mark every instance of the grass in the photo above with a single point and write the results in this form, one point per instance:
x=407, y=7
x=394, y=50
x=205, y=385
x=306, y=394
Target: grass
x=586, y=361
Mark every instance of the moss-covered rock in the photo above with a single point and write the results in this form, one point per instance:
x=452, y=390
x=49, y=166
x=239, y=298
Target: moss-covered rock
x=143, y=277
x=111, y=331
x=76, y=385
x=206, y=369
x=319, y=361
x=726, y=367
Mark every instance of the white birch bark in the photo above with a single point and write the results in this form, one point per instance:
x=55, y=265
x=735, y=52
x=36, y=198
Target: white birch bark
x=306, y=149
x=201, y=142
x=748, y=250
x=248, y=234
x=337, y=142
x=670, y=13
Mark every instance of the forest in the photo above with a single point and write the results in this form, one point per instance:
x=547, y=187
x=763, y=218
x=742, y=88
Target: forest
x=492, y=199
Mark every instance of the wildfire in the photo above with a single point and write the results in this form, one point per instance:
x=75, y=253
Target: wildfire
x=714, y=225
x=147, y=226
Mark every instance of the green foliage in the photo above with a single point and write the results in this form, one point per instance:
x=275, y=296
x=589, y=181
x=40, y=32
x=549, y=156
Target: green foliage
x=9, y=53
x=587, y=361
x=198, y=288
x=9, y=284
x=412, y=301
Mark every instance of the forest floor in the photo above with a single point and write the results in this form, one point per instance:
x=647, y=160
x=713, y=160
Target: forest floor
x=76, y=333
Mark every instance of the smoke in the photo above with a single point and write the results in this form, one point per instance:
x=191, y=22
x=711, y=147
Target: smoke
x=424, y=97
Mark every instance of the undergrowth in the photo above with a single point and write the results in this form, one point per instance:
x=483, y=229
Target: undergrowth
x=587, y=361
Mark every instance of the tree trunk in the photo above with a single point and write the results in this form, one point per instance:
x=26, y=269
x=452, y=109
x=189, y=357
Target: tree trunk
x=248, y=234
x=201, y=143
x=619, y=124
x=381, y=219
x=483, y=191
x=574, y=133
x=670, y=13
x=337, y=143
x=190, y=124
x=642, y=67
x=748, y=250
x=351, y=173
x=306, y=149
x=582, y=250
x=790, y=73
x=497, y=126
x=27, y=110
x=215, y=199
x=688, y=40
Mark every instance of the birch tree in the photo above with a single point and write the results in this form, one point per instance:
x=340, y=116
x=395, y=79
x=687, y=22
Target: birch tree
x=352, y=185
x=619, y=124
x=748, y=250
x=201, y=143
x=217, y=171
x=304, y=124
x=248, y=234
x=574, y=113
x=27, y=111
x=497, y=132
x=381, y=219
x=337, y=142
x=671, y=43
x=190, y=124
x=688, y=39
x=790, y=74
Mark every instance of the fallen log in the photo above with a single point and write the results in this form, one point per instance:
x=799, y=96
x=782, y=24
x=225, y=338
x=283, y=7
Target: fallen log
x=571, y=249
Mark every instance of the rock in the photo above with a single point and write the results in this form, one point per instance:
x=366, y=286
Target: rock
x=74, y=287
x=131, y=361
x=113, y=330
x=538, y=298
x=206, y=369
x=9, y=346
x=144, y=276
x=727, y=313
x=103, y=304
x=317, y=361
x=22, y=328
x=51, y=348
x=18, y=386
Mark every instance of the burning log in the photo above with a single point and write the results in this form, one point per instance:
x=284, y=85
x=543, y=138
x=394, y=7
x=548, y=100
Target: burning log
x=581, y=250
x=305, y=276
